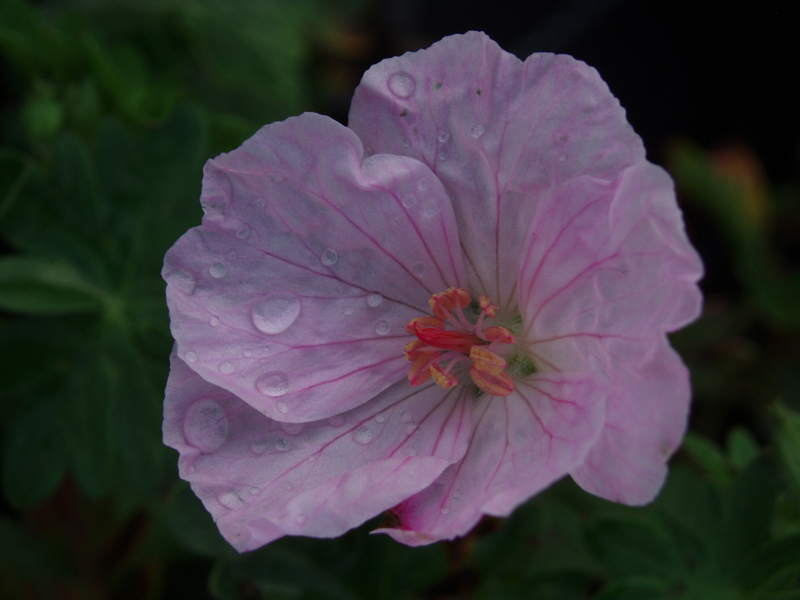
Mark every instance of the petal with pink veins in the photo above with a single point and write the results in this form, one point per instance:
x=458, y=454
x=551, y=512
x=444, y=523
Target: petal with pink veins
x=520, y=445
x=261, y=479
x=295, y=291
x=500, y=133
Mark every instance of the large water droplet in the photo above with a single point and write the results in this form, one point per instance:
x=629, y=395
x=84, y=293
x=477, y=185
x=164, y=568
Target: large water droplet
x=217, y=270
x=226, y=368
x=362, y=435
x=273, y=384
x=374, y=299
x=258, y=448
x=382, y=328
x=205, y=425
x=477, y=131
x=214, y=321
x=409, y=200
x=275, y=313
x=230, y=500
x=401, y=84
x=443, y=136
x=329, y=257
x=282, y=444
x=243, y=233
x=190, y=356
x=184, y=281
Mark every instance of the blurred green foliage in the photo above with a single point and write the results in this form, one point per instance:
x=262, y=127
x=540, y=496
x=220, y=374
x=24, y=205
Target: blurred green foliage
x=113, y=108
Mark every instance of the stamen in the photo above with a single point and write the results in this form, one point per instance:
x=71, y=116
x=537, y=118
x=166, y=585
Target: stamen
x=434, y=345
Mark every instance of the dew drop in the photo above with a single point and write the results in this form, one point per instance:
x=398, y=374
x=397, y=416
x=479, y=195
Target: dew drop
x=374, y=299
x=260, y=203
x=230, y=500
x=382, y=328
x=205, y=425
x=406, y=142
x=275, y=177
x=275, y=313
x=477, y=131
x=300, y=519
x=457, y=494
x=247, y=352
x=348, y=310
x=329, y=257
x=282, y=444
x=282, y=407
x=255, y=490
x=431, y=208
x=410, y=427
x=409, y=200
x=217, y=270
x=443, y=136
x=226, y=367
x=380, y=418
x=190, y=356
x=405, y=417
x=312, y=459
x=362, y=436
x=292, y=428
x=423, y=185
x=401, y=84
x=184, y=281
x=445, y=511
x=442, y=155
x=243, y=233
x=214, y=321
x=562, y=158
x=258, y=448
x=336, y=421
x=274, y=383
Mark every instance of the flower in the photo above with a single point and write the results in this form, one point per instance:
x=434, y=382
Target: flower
x=434, y=313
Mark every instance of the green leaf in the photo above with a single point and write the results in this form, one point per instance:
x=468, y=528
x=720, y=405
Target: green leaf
x=191, y=524
x=787, y=439
x=742, y=447
x=770, y=560
x=34, y=461
x=277, y=570
x=708, y=455
x=15, y=169
x=632, y=547
x=635, y=588
x=43, y=286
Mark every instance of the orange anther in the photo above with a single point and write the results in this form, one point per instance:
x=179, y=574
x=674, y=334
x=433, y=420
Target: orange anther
x=428, y=322
x=420, y=371
x=496, y=385
x=499, y=334
x=486, y=306
x=487, y=361
x=442, y=378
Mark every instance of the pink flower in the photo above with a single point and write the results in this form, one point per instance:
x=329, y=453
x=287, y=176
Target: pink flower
x=437, y=312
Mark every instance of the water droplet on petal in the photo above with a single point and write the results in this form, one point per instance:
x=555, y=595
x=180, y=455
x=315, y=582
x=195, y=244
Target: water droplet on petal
x=401, y=84
x=409, y=200
x=184, y=281
x=243, y=233
x=274, y=383
x=562, y=158
x=230, y=500
x=457, y=494
x=214, y=321
x=405, y=417
x=255, y=490
x=275, y=177
x=226, y=367
x=258, y=448
x=477, y=131
x=300, y=519
x=329, y=257
x=445, y=511
x=205, y=425
x=362, y=435
x=406, y=142
x=410, y=427
x=312, y=459
x=431, y=208
x=336, y=421
x=282, y=407
x=382, y=328
x=443, y=136
x=190, y=356
x=348, y=310
x=217, y=270
x=374, y=299
x=260, y=202
x=380, y=418
x=282, y=444
x=275, y=313
x=292, y=428
x=442, y=155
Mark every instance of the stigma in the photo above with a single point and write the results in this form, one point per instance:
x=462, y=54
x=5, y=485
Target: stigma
x=436, y=349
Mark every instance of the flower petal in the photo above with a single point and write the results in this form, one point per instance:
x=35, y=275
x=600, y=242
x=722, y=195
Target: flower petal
x=646, y=419
x=295, y=291
x=609, y=259
x=499, y=133
x=261, y=479
x=520, y=445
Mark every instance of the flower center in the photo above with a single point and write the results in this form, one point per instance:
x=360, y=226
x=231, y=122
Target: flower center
x=437, y=350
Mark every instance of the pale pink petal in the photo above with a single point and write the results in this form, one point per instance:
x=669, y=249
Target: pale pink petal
x=261, y=479
x=645, y=423
x=520, y=445
x=499, y=133
x=609, y=259
x=295, y=291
